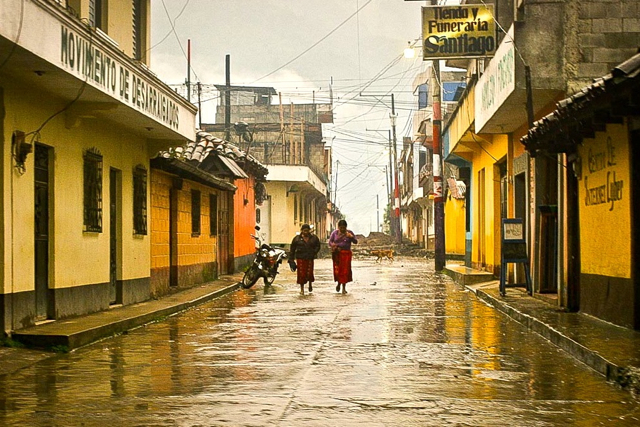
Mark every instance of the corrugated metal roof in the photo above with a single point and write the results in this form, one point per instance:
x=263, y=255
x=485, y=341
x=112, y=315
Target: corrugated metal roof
x=233, y=167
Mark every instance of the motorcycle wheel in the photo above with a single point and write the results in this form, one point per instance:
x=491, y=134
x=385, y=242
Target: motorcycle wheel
x=250, y=277
x=269, y=278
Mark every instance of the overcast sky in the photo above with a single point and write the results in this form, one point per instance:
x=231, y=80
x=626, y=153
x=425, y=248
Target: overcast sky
x=300, y=47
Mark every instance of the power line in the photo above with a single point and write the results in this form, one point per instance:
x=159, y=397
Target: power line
x=316, y=43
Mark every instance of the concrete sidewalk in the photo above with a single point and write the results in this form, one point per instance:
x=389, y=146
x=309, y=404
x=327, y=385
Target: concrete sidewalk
x=611, y=350
x=69, y=334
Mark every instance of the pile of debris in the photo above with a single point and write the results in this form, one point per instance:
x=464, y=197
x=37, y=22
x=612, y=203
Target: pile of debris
x=380, y=241
x=376, y=240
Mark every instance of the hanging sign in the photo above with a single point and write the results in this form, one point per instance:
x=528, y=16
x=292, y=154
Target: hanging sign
x=462, y=31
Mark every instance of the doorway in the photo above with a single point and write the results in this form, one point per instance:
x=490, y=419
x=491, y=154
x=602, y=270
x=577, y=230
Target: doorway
x=482, y=257
x=41, y=227
x=225, y=243
x=115, y=296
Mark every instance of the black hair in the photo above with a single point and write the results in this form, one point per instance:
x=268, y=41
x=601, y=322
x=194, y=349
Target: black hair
x=342, y=222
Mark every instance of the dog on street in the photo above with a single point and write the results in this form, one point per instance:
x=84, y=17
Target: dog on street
x=380, y=254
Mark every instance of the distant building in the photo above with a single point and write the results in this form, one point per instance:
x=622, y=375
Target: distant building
x=288, y=140
x=416, y=159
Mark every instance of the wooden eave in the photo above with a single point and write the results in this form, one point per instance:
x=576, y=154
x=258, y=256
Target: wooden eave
x=608, y=100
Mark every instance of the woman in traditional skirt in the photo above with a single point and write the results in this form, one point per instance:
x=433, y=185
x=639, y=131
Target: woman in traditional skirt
x=340, y=244
x=304, y=249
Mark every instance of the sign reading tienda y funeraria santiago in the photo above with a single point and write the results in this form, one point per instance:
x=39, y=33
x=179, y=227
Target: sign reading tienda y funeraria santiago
x=464, y=31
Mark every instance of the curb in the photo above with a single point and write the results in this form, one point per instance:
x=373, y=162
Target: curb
x=42, y=339
x=626, y=377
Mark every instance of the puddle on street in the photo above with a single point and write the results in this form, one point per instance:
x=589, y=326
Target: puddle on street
x=405, y=346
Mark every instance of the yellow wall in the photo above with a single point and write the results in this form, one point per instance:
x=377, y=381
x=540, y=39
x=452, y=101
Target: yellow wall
x=159, y=225
x=283, y=225
x=605, y=205
x=454, y=226
x=119, y=24
x=77, y=258
x=195, y=249
x=494, y=148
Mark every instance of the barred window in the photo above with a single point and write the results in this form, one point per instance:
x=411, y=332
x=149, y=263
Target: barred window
x=139, y=29
x=92, y=220
x=213, y=214
x=195, y=213
x=96, y=13
x=140, y=200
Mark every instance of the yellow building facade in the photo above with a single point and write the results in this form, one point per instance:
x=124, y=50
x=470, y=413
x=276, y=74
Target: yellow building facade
x=595, y=136
x=80, y=119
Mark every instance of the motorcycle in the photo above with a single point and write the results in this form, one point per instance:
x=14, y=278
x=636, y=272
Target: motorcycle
x=265, y=265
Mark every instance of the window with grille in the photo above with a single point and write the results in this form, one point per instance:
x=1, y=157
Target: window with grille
x=139, y=30
x=96, y=15
x=195, y=212
x=213, y=214
x=92, y=191
x=140, y=200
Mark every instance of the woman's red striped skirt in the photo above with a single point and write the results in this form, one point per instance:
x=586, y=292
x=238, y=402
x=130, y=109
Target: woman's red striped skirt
x=342, y=266
x=305, y=271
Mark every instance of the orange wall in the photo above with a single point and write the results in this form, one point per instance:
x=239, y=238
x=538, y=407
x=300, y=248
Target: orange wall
x=244, y=217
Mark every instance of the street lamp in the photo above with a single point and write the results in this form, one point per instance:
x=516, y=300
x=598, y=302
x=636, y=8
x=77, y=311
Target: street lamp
x=409, y=53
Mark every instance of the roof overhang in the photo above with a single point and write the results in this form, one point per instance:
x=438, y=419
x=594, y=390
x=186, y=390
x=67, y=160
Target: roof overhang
x=114, y=88
x=191, y=172
x=609, y=99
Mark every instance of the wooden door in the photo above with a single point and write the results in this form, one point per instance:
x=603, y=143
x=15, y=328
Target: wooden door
x=225, y=242
x=41, y=228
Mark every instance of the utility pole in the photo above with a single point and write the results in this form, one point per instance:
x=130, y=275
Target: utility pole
x=199, y=106
x=377, y=212
x=389, y=182
x=394, y=220
x=189, y=70
x=396, y=191
x=392, y=224
x=227, y=99
x=335, y=187
x=438, y=200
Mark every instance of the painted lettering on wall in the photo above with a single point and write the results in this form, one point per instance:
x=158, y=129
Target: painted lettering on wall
x=603, y=187
x=85, y=59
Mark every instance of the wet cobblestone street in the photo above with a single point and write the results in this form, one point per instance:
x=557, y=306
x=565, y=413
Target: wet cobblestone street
x=405, y=347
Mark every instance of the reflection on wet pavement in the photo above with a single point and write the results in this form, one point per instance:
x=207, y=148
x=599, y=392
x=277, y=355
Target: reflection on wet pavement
x=405, y=347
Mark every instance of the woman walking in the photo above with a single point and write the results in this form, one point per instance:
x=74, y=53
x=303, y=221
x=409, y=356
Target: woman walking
x=304, y=249
x=340, y=243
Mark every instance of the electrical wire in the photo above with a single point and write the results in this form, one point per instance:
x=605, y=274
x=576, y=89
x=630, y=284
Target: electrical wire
x=15, y=42
x=173, y=30
x=172, y=22
x=315, y=44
